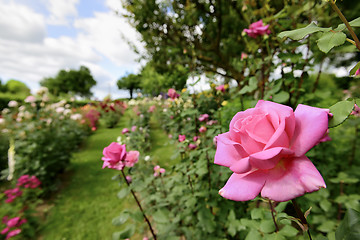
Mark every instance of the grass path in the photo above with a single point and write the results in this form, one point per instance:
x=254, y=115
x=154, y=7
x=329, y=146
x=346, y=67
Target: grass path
x=85, y=208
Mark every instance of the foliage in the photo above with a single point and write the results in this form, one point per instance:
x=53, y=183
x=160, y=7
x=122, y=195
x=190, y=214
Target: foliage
x=130, y=82
x=45, y=135
x=17, y=87
x=74, y=82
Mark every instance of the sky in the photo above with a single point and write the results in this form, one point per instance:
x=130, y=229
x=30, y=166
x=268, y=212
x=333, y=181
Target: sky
x=40, y=37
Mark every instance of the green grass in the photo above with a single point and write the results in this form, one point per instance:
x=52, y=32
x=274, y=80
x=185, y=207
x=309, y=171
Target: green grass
x=85, y=207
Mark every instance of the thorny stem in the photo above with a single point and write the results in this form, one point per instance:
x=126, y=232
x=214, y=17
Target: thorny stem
x=140, y=207
x=342, y=17
x=301, y=216
x=273, y=216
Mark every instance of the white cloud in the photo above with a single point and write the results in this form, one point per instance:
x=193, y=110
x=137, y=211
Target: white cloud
x=27, y=54
x=61, y=10
x=20, y=23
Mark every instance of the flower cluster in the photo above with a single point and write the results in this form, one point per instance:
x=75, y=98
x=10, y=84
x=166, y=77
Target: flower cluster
x=28, y=182
x=12, y=226
x=158, y=171
x=172, y=93
x=116, y=157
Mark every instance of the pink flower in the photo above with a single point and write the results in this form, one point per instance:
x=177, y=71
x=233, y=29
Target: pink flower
x=114, y=156
x=131, y=158
x=30, y=99
x=211, y=122
x=195, y=138
x=125, y=130
x=171, y=117
x=133, y=128
x=357, y=73
x=128, y=179
x=182, y=138
x=203, y=117
x=172, y=93
x=265, y=148
x=12, y=194
x=257, y=29
x=13, y=233
x=192, y=146
x=4, y=231
x=243, y=56
x=356, y=111
x=28, y=182
x=220, y=88
x=202, y=129
x=170, y=136
x=93, y=129
x=13, y=222
x=158, y=170
x=151, y=108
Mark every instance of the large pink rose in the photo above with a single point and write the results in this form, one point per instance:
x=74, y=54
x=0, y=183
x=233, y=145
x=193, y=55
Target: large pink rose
x=114, y=156
x=265, y=148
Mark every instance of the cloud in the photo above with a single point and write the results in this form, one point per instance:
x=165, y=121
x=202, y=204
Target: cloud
x=28, y=55
x=61, y=10
x=20, y=23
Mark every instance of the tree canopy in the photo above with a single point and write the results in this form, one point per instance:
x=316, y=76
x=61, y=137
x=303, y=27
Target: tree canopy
x=130, y=82
x=16, y=87
x=75, y=82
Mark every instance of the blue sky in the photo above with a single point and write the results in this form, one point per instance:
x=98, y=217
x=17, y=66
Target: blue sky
x=40, y=37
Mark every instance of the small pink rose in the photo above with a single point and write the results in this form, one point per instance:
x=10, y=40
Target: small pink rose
x=13, y=233
x=202, y=129
x=172, y=93
x=204, y=117
x=265, y=148
x=125, y=130
x=243, y=56
x=128, y=179
x=182, y=138
x=257, y=29
x=132, y=157
x=158, y=170
x=151, y=108
x=133, y=128
x=195, y=138
x=192, y=146
x=220, y=88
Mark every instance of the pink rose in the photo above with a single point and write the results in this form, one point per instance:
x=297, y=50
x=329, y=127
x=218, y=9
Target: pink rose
x=203, y=117
x=30, y=99
x=265, y=148
x=243, y=56
x=151, y=108
x=257, y=29
x=356, y=111
x=357, y=73
x=172, y=93
x=13, y=233
x=195, y=138
x=158, y=170
x=28, y=182
x=182, y=138
x=128, y=179
x=125, y=130
x=132, y=157
x=114, y=156
x=220, y=88
x=133, y=128
x=192, y=146
x=202, y=129
x=12, y=194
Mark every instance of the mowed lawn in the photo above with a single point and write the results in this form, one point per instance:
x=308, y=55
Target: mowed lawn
x=85, y=206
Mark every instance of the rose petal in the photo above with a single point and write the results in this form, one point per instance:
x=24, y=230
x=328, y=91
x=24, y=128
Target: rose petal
x=311, y=126
x=269, y=158
x=241, y=166
x=228, y=152
x=292, y=178
x=242, y=187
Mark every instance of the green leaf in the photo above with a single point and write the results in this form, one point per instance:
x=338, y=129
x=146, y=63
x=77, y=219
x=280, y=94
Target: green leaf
x=126, y=233
x=325, y=205
x=355, y=22
x=350, y=226
x=123, y=193
x=329, y=40
x=253, y=234
x=206, y=220
x=117, y=221
x=302, y=32
x=161, y=216
x=281, y=97
x=327, y=226
x=341, y=111
x=354, y=69
x=257, y=213
x=267, y=226
x=289, y=231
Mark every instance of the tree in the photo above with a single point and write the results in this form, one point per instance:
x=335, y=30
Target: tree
x=76, y=82
x=130, y=82
x=16, y=87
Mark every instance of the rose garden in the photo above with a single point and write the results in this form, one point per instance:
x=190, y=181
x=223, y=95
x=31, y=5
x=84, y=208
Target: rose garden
x=270, y=150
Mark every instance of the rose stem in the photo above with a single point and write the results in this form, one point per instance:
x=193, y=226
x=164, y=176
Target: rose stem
x=139, y=205
x=273, y=217
x=301, y=216
x=342, y=17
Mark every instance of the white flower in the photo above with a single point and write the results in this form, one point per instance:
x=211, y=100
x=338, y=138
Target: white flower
x=2, y=121
x=67, y=111
x=30, y=99
x=13, y=103
x=59, y=109
x=119, y=140
x=76, y=116
x=5, y=111
x=147, y=158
